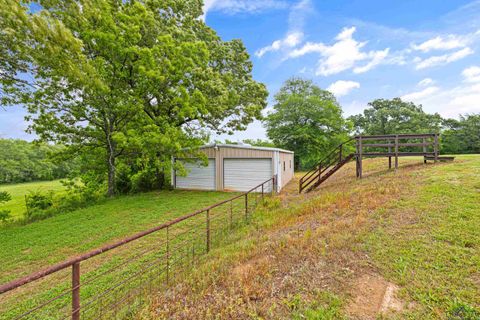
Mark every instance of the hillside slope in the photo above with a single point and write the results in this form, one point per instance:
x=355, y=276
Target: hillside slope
x=393, y=245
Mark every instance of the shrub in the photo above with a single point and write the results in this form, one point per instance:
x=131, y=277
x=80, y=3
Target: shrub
x=4, y=214
x=37, y=203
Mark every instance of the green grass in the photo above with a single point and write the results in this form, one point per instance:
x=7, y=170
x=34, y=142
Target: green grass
x=435, y=257
x=19, y=190
x=40, y=244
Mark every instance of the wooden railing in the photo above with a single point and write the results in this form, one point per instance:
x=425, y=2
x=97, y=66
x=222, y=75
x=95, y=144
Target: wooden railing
x=337, y=156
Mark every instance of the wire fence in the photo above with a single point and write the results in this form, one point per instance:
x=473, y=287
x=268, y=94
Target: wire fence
x=112, y=282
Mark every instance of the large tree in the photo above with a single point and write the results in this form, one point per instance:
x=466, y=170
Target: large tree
x=306, y=120
x=395, y=116
x=143, y=78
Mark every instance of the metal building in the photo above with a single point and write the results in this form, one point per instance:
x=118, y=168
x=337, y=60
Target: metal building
x=236, y=168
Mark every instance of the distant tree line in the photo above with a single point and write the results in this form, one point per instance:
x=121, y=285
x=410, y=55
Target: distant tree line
x=309, y=121
x=22, y=161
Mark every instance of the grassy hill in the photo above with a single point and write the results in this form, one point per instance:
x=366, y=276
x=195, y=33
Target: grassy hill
x=395, y=245
x=27, y=248
x=401, y=245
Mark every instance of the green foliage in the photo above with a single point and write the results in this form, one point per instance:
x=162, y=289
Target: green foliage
x=5, y=197
x=327, y=306
x=461, y=311
x=4, y=214
x=395, y=117
x=122, y=81
x=259, y=143
x=41, y=205
x=37, y=203
x=306, y=120
x=14, y=54
x=252, y=142
x=22, y=161
x=462, y=136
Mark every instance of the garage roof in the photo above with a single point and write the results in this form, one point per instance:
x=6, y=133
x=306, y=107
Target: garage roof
x=243, y=146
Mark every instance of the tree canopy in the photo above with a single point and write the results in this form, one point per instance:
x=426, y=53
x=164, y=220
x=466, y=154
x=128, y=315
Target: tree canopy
x=22, y=161
x=306, y=120
x=395, y=116
x=133, y=81
x=462, y=136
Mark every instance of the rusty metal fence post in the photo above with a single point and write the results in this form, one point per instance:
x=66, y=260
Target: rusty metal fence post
x=231, y=214
x=76, y=291
x=168, y=255
x=246, y=206
x=263, y=199
x=208, y=230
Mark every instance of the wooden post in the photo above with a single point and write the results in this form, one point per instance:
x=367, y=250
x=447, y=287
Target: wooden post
x=396, y=152
x=424, y=141
x=76, y=291
x=435, y=148
x=356, y=158
x=389, y=157
x=360, y=151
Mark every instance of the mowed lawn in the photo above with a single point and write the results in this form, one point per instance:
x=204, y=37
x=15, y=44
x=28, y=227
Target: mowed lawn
x=19, y=190
x=25, y=249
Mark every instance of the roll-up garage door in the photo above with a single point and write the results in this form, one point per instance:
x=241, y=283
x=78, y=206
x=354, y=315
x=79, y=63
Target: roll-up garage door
x=244, y=174
x=198, y=176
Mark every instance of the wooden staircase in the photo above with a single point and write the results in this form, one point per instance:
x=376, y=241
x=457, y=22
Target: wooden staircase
x=325, y=168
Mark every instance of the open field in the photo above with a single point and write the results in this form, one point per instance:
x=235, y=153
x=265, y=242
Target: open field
x=19, y=190
x=401, y=245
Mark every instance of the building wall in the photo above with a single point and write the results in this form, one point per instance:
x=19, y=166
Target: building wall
x=288, y=173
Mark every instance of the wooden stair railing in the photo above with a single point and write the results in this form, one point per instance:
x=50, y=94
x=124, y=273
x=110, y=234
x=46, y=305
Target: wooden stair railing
x=325, y=168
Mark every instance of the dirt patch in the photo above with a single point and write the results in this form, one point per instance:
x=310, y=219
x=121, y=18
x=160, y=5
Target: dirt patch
x=373, y=295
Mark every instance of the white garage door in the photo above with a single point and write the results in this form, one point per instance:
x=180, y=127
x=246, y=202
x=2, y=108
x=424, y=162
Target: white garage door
x=198, y=176
x=244, y=174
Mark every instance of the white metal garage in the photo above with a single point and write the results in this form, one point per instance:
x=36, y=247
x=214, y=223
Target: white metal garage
x=198, y=176
x=235, y=167
x=243, y=174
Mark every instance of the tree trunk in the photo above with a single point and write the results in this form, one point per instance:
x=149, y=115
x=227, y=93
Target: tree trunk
x=111, y=176
x=111, y=156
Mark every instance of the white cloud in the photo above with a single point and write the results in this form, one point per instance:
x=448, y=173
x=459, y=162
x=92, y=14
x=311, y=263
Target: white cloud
x=442, y=43
x=291, y=40
x=294, y=34
x=343, y=87
x=342, y=55
x=471, y=74
x=425, y=82
x=413, y=96
x=237, y=6
x=443, y=59
x=451, y=102
x=377, y=58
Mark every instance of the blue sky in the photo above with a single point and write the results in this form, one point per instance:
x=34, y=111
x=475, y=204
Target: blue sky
x=424, y=51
